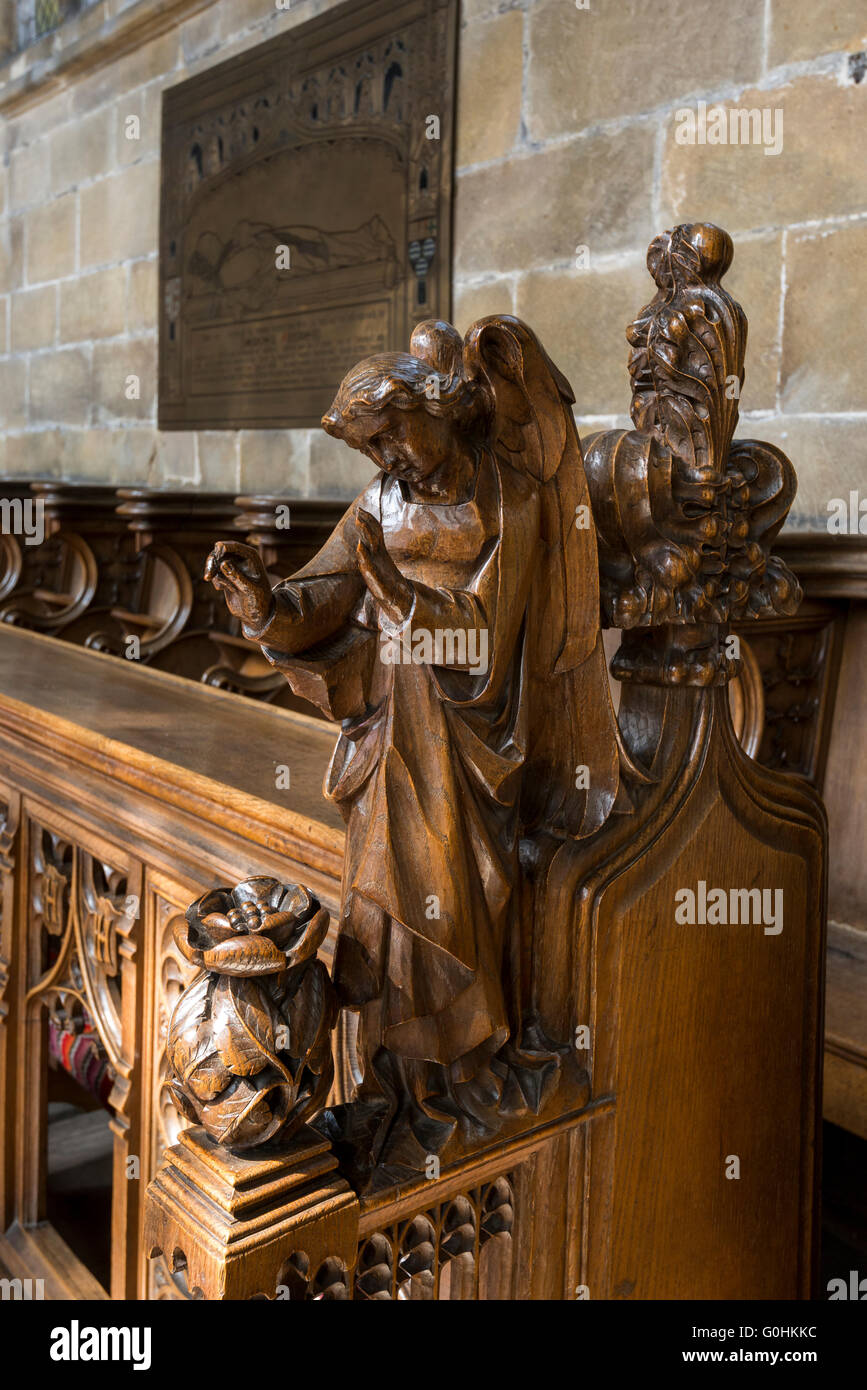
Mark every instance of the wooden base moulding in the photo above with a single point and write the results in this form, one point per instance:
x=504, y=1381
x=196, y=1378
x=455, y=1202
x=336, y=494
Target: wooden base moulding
x=228, y=1222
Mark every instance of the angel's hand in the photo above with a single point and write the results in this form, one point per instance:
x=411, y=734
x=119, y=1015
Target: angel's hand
x=384, y=580
x=237, y=570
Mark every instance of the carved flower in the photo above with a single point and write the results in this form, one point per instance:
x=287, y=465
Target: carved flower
x=249, y=1042
x=259, y=927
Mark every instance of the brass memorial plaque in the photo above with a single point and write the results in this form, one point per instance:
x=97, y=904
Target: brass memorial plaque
x=306, y=212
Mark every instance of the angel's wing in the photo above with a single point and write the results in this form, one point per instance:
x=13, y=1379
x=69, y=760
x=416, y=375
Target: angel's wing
x=572, y=775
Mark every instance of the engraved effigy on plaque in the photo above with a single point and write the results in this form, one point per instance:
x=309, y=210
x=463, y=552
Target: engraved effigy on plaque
x=306, y=210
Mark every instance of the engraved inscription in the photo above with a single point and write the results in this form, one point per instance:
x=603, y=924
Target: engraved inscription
x=297, y=353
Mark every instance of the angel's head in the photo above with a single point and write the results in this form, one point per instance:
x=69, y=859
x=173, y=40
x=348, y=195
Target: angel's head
x=411, y=412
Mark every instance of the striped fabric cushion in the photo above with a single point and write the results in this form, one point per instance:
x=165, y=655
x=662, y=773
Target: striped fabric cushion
x=79, y=1051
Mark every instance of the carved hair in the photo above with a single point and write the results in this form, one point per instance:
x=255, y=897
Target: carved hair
x=403, y=381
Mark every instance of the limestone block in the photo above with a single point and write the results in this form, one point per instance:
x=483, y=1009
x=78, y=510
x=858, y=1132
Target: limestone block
x=13, y=393
x=335, y=470
x=60, y=387
x=801, y=29
x=616, y=59
x=120, y=216
x=818, y=173
x=823, y=336
x=120, y=370
x=219, y=460
x=275, y=461
x=830, y=458
x=581, y=319
x=489, y=89
x=51, y=240
x=755, y=280
x=93, y=306
x=535, y=210
x=81, y=150
x=141, y=303
x=34, y=318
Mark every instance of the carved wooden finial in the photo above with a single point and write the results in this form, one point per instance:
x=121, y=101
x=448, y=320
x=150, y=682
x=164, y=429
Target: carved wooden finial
x=249, y=1041
x=685, y=514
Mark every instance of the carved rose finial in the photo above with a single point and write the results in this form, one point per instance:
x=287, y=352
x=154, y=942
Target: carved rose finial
x=249, y=1042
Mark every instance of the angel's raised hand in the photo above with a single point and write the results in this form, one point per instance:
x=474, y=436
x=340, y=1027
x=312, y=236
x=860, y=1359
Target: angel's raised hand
x=237, y=570
x=383, y=579
x=369, y=531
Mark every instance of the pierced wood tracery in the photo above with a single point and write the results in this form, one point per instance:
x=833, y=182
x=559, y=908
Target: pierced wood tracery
x=174, y=974
x=794, y=663
x=10, y=812
x=51, y=880
x=82, y=923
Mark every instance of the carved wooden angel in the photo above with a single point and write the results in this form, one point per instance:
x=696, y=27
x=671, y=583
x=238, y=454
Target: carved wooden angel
x=451, y=622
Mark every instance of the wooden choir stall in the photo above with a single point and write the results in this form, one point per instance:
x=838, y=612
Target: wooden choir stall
x=527, y=1003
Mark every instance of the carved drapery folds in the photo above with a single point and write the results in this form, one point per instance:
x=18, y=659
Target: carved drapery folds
x=685, y=515
x=250, y=1038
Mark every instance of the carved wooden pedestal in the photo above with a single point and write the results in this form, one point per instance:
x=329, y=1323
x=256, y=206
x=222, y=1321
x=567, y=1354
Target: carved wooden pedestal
x=240, y=1227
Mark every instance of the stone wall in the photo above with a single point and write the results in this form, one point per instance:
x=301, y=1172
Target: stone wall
x=567, y=138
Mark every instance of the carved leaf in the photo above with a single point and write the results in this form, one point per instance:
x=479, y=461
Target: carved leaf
x=218, y=926
x=192, y=1002
x=181, y=934
x=182, y=1102
x=187, y=1051
x=209, y=1077
x=308, y=1010
x=245, y=955
x=188, y=1044
x=244, y=1023
x=246, y=1115
x=310, y=939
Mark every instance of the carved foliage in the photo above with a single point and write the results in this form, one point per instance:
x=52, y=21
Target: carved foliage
x=250, y=1039
x=685, y=515
x=105, y=915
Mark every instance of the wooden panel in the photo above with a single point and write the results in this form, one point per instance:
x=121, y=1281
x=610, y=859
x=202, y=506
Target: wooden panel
x=845, y=1101
x=847, y=773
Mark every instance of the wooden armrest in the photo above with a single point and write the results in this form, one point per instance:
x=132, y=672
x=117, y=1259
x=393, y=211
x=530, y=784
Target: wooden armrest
x=125, y=615
x=52, y=596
